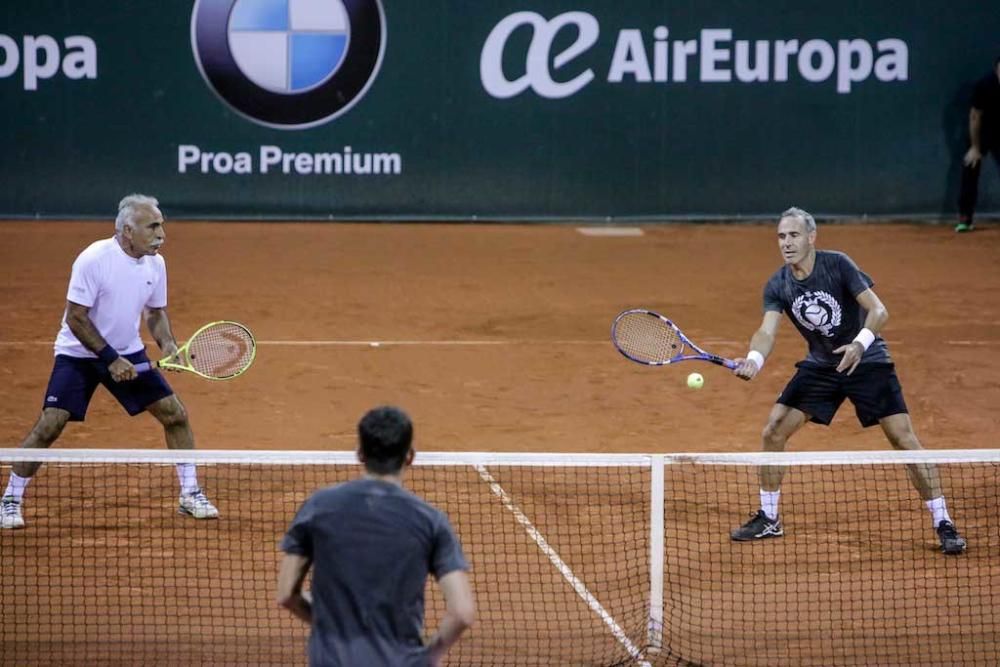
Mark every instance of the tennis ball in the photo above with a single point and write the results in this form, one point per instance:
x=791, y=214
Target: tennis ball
x=374, y=344
x=695, y=381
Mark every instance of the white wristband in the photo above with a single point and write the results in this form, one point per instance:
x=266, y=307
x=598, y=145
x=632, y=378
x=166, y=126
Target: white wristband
x=756, y=357
x=865, y=337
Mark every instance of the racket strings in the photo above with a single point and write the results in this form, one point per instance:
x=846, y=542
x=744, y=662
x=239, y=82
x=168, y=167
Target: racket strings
x=647, y=338
x=222, y=350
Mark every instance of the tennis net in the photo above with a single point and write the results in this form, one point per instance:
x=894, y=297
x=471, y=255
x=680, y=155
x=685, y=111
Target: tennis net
x=576, y=559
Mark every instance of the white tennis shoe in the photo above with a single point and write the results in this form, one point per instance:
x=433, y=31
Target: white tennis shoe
x=196, y=505
x=10, y=513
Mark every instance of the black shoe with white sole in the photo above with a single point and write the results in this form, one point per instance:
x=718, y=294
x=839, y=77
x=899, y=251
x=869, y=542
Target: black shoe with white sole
x=951, y=542
x=758, y=527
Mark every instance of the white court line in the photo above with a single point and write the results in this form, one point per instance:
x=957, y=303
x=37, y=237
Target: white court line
x=560, y=564
x=972, y=343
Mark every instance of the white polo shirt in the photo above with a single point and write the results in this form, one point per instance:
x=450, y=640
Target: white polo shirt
x=116, y=288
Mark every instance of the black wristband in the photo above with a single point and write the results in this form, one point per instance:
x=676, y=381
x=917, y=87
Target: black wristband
x=108, y=355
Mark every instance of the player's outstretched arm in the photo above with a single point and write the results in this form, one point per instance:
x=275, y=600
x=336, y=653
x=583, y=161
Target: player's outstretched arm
x=460, y=614
x=761, y=344
x=876, y=318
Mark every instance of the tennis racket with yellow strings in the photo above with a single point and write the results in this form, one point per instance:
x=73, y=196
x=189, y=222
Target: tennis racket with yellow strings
x=218, y=351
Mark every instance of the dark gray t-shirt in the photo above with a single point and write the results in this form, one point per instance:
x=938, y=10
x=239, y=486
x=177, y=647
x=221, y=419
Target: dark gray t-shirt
x=372, y=544
x=824, y=307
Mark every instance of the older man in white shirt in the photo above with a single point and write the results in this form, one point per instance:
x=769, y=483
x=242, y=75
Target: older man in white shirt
x=114, y=281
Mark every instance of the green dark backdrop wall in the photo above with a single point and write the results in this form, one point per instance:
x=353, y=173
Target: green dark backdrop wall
x=455, y=150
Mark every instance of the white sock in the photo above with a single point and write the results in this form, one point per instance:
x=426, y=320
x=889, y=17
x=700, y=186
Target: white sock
x=939, y=509
x=188, y=477
x=769, y=503
x=15, y=486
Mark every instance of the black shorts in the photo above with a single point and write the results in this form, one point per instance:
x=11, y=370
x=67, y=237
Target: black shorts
x=874, y=390
x=74, y=379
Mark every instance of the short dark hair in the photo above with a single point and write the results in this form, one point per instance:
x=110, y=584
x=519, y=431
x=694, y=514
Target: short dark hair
x=385, y=433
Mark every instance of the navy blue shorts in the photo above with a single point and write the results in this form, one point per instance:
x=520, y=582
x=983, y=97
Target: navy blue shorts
x=874, y=390
x=73, y=381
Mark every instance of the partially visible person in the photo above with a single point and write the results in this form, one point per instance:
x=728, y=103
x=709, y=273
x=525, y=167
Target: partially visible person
x=984, y=137
x=114, y=282
x=371, y=544
x=831, y=303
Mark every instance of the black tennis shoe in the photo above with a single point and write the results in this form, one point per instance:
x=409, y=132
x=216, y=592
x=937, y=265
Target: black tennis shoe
x=758, y=528
x=951, y=542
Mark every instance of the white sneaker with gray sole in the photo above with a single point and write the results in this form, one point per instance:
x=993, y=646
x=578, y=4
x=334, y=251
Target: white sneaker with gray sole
x=10, y=513
x=197, y=505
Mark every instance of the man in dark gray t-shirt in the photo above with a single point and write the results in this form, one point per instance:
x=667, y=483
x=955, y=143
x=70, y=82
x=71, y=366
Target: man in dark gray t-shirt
x=831, y=303
x=371, y=545
x=823, y=306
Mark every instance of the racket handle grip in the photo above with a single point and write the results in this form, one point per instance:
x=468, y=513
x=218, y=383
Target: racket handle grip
x=143, y=366
x=728, y=363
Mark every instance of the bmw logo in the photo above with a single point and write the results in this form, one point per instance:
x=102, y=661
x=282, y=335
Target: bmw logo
x=289, y=64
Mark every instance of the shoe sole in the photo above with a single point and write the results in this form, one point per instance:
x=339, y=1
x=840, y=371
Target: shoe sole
x=12, y=526
x=754, y=538
x=181, y=510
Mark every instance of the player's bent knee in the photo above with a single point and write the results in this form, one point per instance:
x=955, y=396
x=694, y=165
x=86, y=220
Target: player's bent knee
x=50, y=426
x=908, y=441
x=46, y=434
x=901, y=436
x=773, y=437
x=176, y=418
x=170, y=412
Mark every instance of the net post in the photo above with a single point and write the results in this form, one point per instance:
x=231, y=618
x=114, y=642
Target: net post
x=656, y=547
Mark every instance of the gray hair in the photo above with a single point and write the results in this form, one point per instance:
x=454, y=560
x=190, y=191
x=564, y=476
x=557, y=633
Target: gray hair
x=803, y=215
x=129, y=209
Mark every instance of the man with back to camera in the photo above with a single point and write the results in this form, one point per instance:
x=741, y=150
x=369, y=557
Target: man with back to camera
x=831, y=303
x=984, y=137
x=115, y=282
x=371, y=544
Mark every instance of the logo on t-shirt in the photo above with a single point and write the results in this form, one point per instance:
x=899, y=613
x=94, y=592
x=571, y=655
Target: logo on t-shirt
x=817, y=311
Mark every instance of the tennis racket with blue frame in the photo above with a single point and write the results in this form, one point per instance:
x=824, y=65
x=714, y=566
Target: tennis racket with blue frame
x=649, y=338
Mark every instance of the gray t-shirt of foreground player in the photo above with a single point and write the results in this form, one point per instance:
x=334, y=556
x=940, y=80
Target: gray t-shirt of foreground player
x=372, y=544
x=823, y=307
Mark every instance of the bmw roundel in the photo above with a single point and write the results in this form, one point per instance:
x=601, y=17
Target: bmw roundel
x=289, y=64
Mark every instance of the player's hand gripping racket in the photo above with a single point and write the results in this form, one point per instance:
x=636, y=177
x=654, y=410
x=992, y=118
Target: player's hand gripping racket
x=649, y=338
x=217, y=351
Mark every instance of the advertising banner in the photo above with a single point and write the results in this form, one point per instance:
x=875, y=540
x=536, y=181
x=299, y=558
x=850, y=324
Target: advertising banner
x=538, y=109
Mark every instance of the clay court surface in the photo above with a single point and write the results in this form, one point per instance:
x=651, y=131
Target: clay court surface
x=506, y=332
x=495, y=338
